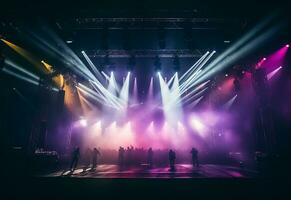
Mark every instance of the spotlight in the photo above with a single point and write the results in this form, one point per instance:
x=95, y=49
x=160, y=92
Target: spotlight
x=214, y=51
x=226, y=75
x=176, y=63
x=82, y=51
x=69, y=41
x=264, y=58
x=83, y=122
x=287, y=45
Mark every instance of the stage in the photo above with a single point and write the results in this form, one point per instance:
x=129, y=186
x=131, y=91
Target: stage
x=182, y=171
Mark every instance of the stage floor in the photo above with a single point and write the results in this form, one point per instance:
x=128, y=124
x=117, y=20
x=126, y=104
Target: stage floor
x=182, y=171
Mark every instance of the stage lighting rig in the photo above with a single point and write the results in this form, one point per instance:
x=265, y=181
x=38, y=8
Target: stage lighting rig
x=176, y=62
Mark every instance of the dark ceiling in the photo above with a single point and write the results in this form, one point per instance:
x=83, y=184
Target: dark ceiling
x=144, y=29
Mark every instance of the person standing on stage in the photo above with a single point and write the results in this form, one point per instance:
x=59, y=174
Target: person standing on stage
x=194, y=153
x=95, y=155
x=75, y=159
x=172, y=158
x=150, y=157
x=121, y=152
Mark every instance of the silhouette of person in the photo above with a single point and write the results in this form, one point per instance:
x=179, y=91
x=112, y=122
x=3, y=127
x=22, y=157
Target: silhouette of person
x=75, y=159
x=194, y=153
x=95, y=155
x=121, y=152
x=172, y=158
x=150, y=157
x=87, y=159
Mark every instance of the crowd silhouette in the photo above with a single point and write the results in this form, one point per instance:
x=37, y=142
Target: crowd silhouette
x=127, y=157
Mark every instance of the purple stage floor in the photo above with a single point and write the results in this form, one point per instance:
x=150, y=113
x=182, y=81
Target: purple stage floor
x=182, y=171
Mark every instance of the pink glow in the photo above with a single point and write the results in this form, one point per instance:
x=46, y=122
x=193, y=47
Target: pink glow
x=83, y=122
x=271, y=74
x=276, y=59
x=260, y=63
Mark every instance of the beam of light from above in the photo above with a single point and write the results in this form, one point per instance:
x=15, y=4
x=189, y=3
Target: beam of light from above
x=186, y=74
x=14, y=65
x=54, y=46
x=198, y=69
x=185, y=85
x=85, y=104
x=165, y=92
x=124, y=93
x=229, y=103
x=176, y=107
x=83, y=122
x=92, y=66
x=49, y=70
x=275, y=59
x=196, y=95
x=50, y=43
x=272, y=73
x=109, y=96
x=237, y=45
x=193, y=92
x=135, y=92
x=175, y=92
x=151, y=90
x=111, y=86
x=115, y=85
x=196, y=74
x=194, y=103
x=48, y=67
x=215, y=66
x=33, y=81
x=259, y=64
x=106, y=76
x=99, y=93
x=28, y=56
x=91, y=93
x=172, y=112
x=171, y=79
x=151, y=126
x=197, y=125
